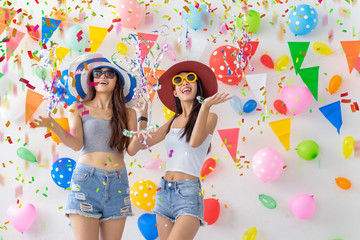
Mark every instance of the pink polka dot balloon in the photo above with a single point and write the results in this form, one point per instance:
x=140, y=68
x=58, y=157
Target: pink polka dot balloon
x=223, y=63
x=130, y=13
x=267, y=164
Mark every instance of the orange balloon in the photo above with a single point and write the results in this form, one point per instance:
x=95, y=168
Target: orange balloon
x=343, y=183
x=334, y=84
x=63, y=123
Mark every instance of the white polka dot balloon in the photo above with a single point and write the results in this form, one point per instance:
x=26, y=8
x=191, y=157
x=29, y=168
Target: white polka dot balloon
x=302, y=19
x=130, y=13
x=267, y=164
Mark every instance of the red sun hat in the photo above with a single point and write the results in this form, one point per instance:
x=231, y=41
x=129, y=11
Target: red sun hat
x=203, y=72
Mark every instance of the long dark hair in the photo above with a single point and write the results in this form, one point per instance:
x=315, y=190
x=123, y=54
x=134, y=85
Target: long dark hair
x=189, y=127
x=118, y=122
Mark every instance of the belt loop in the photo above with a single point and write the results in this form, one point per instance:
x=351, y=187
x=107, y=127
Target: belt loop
x=92, y=171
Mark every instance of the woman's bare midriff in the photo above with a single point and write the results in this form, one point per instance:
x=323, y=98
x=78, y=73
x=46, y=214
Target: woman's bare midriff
x=103, y=160
x=178, y=176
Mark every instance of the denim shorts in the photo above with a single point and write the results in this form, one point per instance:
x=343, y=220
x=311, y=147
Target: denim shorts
x=177, y=198
x=98, y=193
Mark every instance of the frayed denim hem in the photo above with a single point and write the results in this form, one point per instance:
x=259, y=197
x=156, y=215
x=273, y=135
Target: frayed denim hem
x=202, y=222
x=85, y=214
x=117, y=217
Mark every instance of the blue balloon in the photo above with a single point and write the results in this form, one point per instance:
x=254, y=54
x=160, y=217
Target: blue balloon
x=147, y=226
x=302, y=19
x=195, y=19
x=250, y=106
x=62, y=171
x=236, y=104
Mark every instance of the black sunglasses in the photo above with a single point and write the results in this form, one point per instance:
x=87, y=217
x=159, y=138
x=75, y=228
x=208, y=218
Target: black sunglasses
x=110, y=74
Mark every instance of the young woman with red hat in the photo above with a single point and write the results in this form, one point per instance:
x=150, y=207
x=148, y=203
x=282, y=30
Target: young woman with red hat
x=189, y=89
x=99, y=200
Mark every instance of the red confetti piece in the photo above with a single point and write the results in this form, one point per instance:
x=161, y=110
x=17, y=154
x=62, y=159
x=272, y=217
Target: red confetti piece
x=30, y=55
x=110, y=28
x=85, y=112
x=346, y=100
x=47, y=135
x=9, y=139
x=352, y=108
x=356, y=106
x=344, y=94
x=2, y=58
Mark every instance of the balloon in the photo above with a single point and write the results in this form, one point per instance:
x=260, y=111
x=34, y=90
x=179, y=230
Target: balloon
x=250, y=234
x=282, y=62
x=226, y=70
x=334, y=84
x=303, y=206
x=61, y=15
x=23, y=217
x=280, y=106
x=302, y=19
x=154, y=163
x=348, y=146
x=195, y=18
x=250, y=106
x=207, y=168
x=143, y=193
x=62, y=171
x=267, y=61
x=147, y=226
x=296, y=99
x=267, y=164
x=71, y=39
x=121, y=48
x=322, y=48
x=170, y=53
x=211, y=210
x=39, y=71
x=130, y=12
x=343, y=183
x=34, y=35
x=267, y=201
x=236, y=104
x=25, y=154
x=63, y=123
x=251, y=21
x=308, y=149
x=168, y=113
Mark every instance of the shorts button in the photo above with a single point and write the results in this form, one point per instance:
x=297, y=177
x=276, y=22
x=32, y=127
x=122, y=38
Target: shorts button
x=169, y=184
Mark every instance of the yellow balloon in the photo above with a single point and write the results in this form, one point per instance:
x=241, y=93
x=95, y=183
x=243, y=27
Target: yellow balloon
x=142, y=194
x=282, y=62
x=122, y=48
x=168, y=113
x=250, y=234
x=63, y=123
x=322, y=48
x=348, y=146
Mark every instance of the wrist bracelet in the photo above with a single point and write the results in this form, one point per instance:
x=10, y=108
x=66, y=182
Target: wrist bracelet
x=142, y=119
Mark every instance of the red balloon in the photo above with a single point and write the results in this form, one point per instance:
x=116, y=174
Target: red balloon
x=211, y=210
x=208, y=167
x=267, y=61
x=280, y=106
x=226, y=70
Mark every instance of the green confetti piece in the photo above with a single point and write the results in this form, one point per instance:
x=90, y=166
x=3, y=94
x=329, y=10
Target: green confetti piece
x=160, y=199
x=44, y=195
x=97, y=189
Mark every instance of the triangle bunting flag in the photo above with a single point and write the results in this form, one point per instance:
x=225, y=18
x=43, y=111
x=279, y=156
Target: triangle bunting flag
x=352, y=51
x=298, y=52
x=281, y=129
x=97, y=35
x=230, y=138
x=310, y=77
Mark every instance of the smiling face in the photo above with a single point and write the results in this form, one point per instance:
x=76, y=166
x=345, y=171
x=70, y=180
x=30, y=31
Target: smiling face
x=186, y=91
x=105, y=78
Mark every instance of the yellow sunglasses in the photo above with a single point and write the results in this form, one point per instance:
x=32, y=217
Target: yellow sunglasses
x=190, y=78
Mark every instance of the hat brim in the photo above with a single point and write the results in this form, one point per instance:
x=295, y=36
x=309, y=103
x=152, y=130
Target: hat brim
x=82, y=66
x=204, y=73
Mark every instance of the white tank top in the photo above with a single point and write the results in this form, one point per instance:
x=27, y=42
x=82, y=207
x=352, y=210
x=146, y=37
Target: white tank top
x=181, y=156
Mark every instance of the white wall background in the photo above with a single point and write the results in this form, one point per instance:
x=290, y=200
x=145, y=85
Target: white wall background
x=337, y=211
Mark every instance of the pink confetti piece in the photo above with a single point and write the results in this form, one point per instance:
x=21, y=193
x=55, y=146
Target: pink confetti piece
x=93, y=83
x=85, y=112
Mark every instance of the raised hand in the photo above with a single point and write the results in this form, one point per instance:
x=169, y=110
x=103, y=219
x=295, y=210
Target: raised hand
x=217, y=98
x=44, y=121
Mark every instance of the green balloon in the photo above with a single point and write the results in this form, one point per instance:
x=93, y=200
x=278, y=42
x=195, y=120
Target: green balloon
x=267, y=201
x=25, y=154
x=308, y=149
x=40, y=72
x=251, y=19
x=72, y=41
